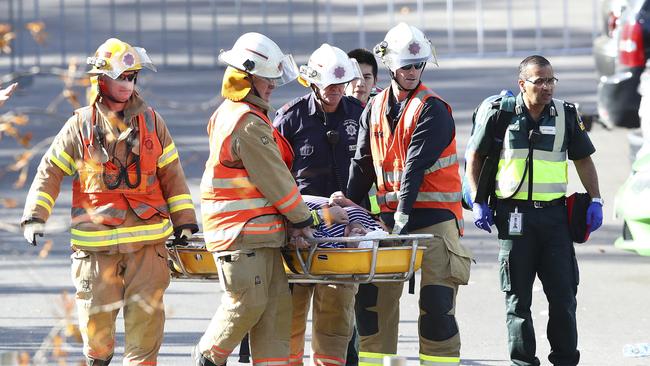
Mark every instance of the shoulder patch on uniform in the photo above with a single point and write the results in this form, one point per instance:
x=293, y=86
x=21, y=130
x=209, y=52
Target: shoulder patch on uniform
x=265, y=140
x=580, y=123
x=289, y=105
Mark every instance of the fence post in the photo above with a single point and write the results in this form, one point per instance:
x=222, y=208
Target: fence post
x=12, y=23
x=290, y=24
x=111, y=11
x=215, y=32
x=480, y=31
x=328, y=21
x=38, y=47
x=510, y=49
x=315, y=22
x=188, y=11
x=538, y=27
x=62, y=33
x=362, y=30
x=565, y=34
x=20, y=45
x=138, y=23
x=420, y=5
x=163, y=25
x=451, y=40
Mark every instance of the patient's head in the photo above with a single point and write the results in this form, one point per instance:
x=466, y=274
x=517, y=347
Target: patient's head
x=355, y=229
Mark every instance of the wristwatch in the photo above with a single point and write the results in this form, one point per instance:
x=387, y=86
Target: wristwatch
x=598, y=200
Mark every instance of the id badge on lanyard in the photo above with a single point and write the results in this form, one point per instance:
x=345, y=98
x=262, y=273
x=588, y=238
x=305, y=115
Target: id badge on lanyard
x=516, y=222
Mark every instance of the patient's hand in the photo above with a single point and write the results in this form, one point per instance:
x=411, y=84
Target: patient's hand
x=297, y=237
x=334, y=215
x=339, y=199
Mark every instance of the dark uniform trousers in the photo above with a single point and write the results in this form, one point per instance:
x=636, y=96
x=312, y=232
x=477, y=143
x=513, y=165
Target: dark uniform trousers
x=544, y=249
x=445, y=266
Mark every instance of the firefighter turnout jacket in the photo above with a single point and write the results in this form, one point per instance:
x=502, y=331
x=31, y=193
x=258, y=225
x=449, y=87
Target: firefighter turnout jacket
x=128, y=186
x=247, y=189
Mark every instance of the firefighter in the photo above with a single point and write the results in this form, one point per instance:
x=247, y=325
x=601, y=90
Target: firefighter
x=128, y=196
x=322, y=128
x=247, y=197
x=407, y=146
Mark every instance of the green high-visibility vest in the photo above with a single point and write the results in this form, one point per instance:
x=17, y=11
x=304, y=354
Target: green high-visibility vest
x=549, y=156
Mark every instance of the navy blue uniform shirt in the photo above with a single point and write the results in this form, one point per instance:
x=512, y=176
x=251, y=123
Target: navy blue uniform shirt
x=319, y=167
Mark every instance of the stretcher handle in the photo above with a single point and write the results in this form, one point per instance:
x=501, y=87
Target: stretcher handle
x=414, y=238
x=352, y=239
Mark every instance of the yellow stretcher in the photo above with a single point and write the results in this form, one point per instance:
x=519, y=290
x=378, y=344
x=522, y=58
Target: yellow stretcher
x=392, y=258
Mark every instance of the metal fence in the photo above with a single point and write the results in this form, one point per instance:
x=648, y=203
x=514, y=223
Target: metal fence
x=189, y=33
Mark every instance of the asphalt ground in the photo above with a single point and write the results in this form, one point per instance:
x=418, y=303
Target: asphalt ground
x=612, y=298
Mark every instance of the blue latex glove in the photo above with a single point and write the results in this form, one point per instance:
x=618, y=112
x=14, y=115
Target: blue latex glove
x=483, y=216
x=594, y=216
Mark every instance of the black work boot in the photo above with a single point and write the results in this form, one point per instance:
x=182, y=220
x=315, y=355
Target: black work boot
x=95, y=362
x=200, y=360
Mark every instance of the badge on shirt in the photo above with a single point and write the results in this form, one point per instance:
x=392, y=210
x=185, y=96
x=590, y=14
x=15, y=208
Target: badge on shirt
x=514, y=126
x=265, y=140
x=350, y=127
x=547, y=130
x=306, y=149
x=516, y=222
x=352, y=147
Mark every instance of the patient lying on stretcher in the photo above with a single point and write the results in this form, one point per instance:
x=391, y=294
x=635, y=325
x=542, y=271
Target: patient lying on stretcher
x=334, y=224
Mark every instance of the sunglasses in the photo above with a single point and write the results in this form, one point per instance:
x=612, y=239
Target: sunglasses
x=127, y=77
x=417, y=66
x=543, y=81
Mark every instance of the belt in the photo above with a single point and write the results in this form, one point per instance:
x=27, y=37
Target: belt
x=537, y=204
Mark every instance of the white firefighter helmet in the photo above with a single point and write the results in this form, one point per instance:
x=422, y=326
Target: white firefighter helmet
x=258, y=55
x=329, y=65
x=114, y=57
x=404, y=45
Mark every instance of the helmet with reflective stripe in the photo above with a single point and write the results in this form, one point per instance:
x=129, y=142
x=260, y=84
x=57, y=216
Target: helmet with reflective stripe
x=114, y=57
x=404, y=45
x=327, y=66
x=258, y=55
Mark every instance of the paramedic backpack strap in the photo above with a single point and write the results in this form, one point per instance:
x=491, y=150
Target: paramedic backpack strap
x=487, y=176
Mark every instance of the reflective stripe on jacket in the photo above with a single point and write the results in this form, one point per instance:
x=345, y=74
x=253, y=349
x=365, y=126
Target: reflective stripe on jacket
x=441, y=186
x=550, y=166
x=229, y=200
x=94, y=215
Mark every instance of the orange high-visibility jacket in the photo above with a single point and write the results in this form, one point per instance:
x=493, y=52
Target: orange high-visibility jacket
x=441, y=186
x=125, y=219
x=93, y=201
x=229, y=200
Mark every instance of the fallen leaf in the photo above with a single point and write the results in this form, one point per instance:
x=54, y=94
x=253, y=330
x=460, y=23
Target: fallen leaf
x=20, y=119
x=37, y=29
x=22, y=161
x=9, y=202
x=22, y=179
x=25, y=139
x=45, y=251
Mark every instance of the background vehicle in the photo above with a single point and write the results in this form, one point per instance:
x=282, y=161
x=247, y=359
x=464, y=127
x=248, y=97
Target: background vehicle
x=632, y=196
x=620, y=54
